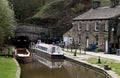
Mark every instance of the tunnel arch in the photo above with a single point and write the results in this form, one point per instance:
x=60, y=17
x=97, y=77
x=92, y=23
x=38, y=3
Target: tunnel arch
x=22, y=42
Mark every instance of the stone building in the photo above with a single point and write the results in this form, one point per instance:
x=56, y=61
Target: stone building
x=97, y=28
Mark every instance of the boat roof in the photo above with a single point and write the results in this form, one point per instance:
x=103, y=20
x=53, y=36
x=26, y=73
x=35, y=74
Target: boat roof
x=46, y=45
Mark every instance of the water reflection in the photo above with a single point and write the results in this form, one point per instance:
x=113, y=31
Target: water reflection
x=48, y=68
x=51, y=63
x=78, y=71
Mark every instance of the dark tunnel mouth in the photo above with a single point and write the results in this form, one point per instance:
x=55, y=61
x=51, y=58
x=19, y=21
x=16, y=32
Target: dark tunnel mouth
x=22, y=42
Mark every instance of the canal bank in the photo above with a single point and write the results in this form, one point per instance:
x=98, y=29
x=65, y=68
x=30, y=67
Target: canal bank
x=18, y=72
x=77, y=59
x=62, y=68
x=80, y=60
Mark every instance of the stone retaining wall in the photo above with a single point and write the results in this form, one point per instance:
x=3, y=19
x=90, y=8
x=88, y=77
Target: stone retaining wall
x=18, y=72
x=90, y=66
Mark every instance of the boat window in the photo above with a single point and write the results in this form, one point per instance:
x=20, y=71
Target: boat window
x=53, y=49
x=42, y=48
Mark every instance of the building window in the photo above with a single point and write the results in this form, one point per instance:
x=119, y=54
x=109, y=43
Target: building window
x=106, y=26
x=87, y=41
x=96, y=40
x=96, y=26
x=87, y=27
x=79, y=40
x=79, y=26
x=70, y=40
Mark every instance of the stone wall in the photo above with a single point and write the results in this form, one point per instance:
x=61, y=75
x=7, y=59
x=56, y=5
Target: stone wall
x=32, y=31
x=91, y=35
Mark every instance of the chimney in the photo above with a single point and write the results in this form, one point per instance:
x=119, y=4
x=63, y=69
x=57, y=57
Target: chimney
x=114, y=3
x=95, y=4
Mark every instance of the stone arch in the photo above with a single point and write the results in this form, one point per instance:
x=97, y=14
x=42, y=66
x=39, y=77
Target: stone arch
x=22, y=42
x=34, y=32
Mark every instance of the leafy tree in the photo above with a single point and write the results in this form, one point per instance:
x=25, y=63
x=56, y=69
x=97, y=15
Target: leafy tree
x=25, y=8
x=7, y=21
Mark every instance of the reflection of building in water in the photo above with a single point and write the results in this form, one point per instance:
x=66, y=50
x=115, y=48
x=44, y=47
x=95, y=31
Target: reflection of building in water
x=51, y=63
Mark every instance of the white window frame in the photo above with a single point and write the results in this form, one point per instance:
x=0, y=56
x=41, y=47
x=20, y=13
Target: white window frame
x=70, y=40
x=106, y=26
x=87, y=26
x=97, y=26
x=79, y=26
x=87, y=42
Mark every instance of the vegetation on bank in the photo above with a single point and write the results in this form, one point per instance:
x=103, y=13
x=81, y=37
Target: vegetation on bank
x=114, y=65
x=7, y=21
x=105, y=3
x=99, y=61
x=8, y=68
x=8, y=50
x=75, y=53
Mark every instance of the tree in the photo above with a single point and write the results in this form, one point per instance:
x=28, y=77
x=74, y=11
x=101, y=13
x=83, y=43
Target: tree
x=26, y=8
x=7, y=21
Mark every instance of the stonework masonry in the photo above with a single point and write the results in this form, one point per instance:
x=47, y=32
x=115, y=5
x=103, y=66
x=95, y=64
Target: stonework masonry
x=32, y=31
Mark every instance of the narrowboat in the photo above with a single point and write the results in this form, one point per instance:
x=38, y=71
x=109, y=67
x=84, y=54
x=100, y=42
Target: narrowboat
x=49, y=50
x=23, y=55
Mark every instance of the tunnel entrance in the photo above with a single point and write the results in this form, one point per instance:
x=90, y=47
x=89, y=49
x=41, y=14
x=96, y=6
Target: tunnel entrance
x=22, y=42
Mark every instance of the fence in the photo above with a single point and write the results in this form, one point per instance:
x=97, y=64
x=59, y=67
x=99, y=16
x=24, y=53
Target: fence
x=6, y=52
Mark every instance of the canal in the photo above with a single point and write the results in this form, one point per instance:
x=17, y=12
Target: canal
x=42, y=67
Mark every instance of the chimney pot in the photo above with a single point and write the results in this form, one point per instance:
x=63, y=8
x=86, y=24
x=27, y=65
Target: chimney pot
x=95, y=4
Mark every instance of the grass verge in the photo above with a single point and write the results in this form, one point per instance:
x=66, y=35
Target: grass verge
x=115, y=65
x=8, y=68
x=77, y=53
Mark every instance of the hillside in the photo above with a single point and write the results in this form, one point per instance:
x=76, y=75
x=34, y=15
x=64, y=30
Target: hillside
x=58, y=14
x=54, y=14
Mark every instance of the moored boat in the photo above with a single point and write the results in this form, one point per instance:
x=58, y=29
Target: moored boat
x=23, y=55
x=49, y=50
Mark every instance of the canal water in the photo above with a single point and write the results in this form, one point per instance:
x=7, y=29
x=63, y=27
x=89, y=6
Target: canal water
x=58, y=68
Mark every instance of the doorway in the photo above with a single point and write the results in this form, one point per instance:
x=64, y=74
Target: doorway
x=118, y=42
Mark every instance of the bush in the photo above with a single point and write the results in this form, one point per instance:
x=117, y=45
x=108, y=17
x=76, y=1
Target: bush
x=99, y=50
x=114, y=51
x=87, y=49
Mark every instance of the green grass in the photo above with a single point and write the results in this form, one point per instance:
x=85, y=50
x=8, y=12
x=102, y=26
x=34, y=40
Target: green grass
x=77, y=53
x=115, y=66
x=7, y=68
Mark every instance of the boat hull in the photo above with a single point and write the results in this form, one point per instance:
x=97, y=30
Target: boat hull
x=44, y=54
x=23, y=55
x=24, y=59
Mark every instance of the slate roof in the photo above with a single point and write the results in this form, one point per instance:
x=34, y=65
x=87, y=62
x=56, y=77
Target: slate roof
x=99, y=14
